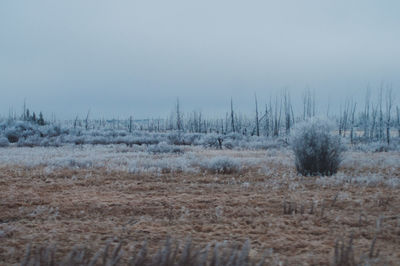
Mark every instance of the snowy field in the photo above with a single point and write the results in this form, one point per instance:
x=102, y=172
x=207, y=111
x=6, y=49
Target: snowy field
x=358, y=167
x=88, y=194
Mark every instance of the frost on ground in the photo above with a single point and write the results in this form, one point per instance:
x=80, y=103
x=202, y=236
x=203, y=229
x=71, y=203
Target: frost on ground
x=359, y=168
x=87, y=195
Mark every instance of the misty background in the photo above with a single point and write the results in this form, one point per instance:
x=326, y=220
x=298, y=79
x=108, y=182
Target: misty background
x=122, y=58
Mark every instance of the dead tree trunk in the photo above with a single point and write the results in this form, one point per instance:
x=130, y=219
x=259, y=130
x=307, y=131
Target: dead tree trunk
x=366, y=114
x=353, y=111
x=87, y=120
x=179, y=124
x=389, y=104
x=130, y=124
x=257, y=121
x=232, y=118
x=288, y=111
x=398, y=119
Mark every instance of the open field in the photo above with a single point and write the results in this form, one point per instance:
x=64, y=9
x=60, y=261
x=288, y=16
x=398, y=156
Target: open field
x=88, y=195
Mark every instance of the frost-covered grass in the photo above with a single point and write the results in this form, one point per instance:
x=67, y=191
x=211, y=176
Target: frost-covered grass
x=4, y=142
x=27, y=134
x=161, y=158
x=274, y=167
x=222, y=165
x=90, y=193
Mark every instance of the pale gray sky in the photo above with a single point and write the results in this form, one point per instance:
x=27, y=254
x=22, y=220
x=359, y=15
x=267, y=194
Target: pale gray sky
x=135, y=57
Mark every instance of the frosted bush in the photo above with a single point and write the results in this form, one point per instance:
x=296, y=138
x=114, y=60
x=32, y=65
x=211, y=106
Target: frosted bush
x=162, y=165
x=163, y=147
x=12, y=135
x=317, y=150
x=96, y=140
x=234, y=136
x=4, y=141
x=257, y=143
x=192, y=138
x=78, y=163
x=377, y=146
x=175, y=138
x=229, y=144
x=221, y=165
x=30, y=141
x=211, y=141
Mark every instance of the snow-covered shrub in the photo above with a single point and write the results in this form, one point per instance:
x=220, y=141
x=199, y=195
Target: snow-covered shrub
x=77, y=163
x=97, y=140
x=180, y=164
x=221, y=165
x=163, y=147
x=317, y=150
x=377, y=146
x=259, y=143
x=12, y=135
x=192, y=138
x=229, y=144
x=212, y=140
x=4, y=141
x=30, y=141
x=234, y=136
x=51, y=131
x=175, y=138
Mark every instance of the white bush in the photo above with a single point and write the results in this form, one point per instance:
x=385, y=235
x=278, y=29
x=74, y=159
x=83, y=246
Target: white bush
x=4, y=142
x=163, y=147
x=221, y=165
x=317, y=150
x=211, y=140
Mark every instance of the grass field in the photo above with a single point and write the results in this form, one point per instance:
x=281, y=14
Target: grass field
x=90, y=195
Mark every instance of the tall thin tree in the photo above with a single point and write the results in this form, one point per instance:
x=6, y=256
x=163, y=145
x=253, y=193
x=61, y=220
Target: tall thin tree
x=232, y=117
x=257, y=120
x=389, y=104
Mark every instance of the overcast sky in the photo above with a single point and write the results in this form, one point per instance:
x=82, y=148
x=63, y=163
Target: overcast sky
x=119, y=58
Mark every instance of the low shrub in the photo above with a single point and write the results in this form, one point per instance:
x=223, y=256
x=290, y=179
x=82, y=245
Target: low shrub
x=221, y=165
x=4, y=141
x=317, y=150
x=163, y=147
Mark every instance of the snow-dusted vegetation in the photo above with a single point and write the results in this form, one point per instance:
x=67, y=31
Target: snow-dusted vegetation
x=292, y=176
x=317, y=150
x=276, y=167
x=375, y=127
x=143, y=192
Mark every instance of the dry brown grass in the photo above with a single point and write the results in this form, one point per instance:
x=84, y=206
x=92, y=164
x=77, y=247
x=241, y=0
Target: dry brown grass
x=89, y=207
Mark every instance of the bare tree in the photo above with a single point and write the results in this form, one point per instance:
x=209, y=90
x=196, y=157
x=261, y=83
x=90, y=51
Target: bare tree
x=308, y=104
x=374, y=114
x=380, y=129
x=366, y=114
x=287, y=106
x=130, y=124
x=226, y=121
x=76, y=121
x=267, y=115
x=353, y=111
x=199, y=122
x=179, y=124
x=257, y=121
x=232, y=118
x=398, y=119
x=389, y=104
x=313, y=104
x=343, y=119
x=277, y=118
x=87, y=120
x=24, y=111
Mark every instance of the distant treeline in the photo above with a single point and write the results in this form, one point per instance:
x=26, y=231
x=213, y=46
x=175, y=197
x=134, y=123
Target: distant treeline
x=375, y=119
